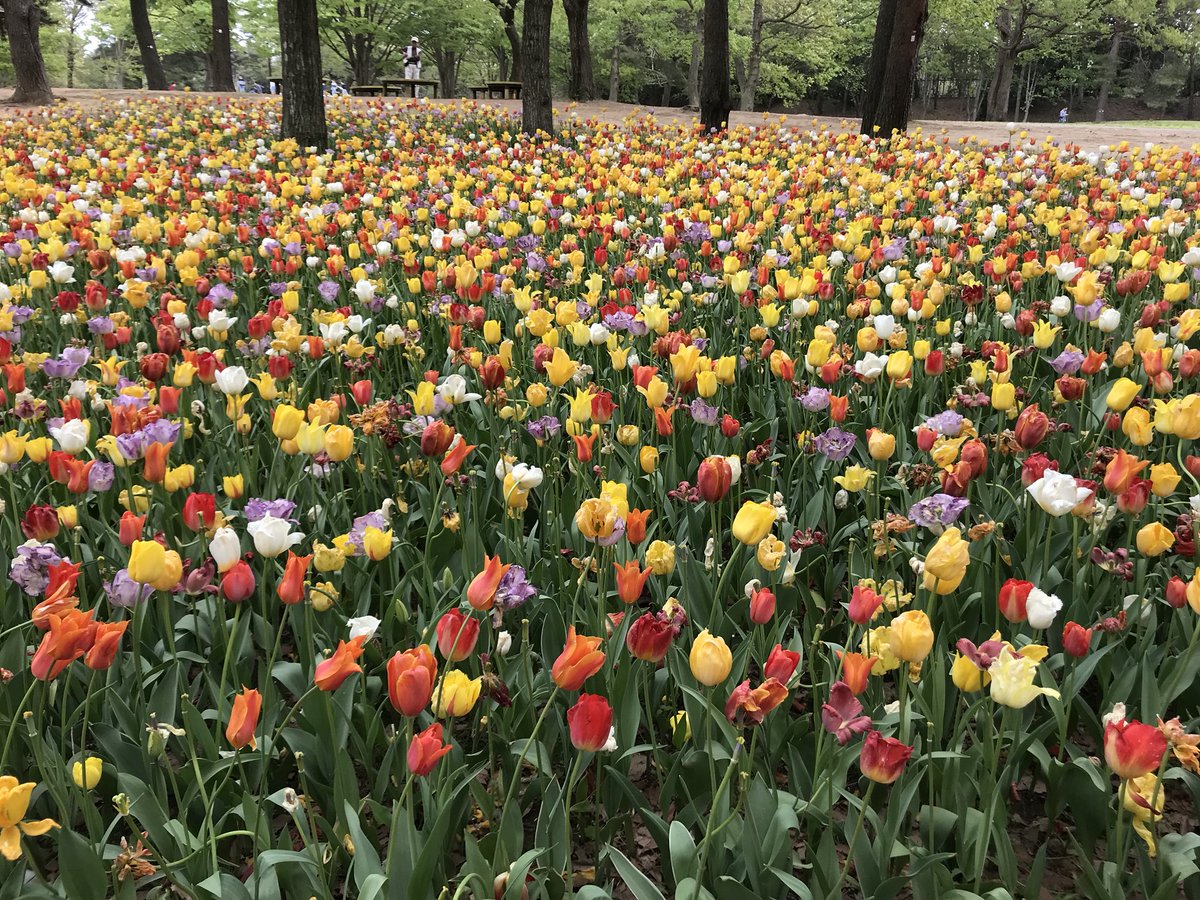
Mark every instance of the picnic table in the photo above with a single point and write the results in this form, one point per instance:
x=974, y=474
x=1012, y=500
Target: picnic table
x=498, y=90
x=367, y=90
x=401, y=87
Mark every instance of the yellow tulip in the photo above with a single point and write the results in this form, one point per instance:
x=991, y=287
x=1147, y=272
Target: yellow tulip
x=1136, y=426
x=339, y=442
x=561, y=368
x=753, y=522
x=855, y=478
x=911, y=636
x=710, y=659
x=147, y=561
x=1154, y=539
x=1121, y=394
x=377, y=543
x=286, y=422
x=1164, y=479
x=660, y=557
x=456, y=695
x=233, y=486
x=86, y=774
x=648, y=459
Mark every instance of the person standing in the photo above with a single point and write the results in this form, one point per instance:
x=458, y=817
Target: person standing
x=1063, y=114
x=412, y=59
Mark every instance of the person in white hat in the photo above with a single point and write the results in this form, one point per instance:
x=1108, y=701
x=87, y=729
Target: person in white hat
x=412, y=58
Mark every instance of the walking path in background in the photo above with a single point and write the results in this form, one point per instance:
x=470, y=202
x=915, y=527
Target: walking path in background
x=1084, y=134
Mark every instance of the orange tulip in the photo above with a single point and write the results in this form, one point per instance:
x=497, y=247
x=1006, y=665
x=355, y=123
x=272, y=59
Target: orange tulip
x=154, y=463
x=481, y=592
x=1121, y=470
x=583, y=446
x=243, y=719
x=291, y=586
x=410, y=677
x=635, y=525
x=67, y=638
x=332, y=672
x=455, y=456
x=856, y=669
x=630, y=580
x=105, y=645
x=578, y=662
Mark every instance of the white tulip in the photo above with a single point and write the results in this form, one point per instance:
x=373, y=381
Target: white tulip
x=1057, y=493
x=226, y=548
x=1041, y=608
x=272, y=536
x=72, y=436
x=232, y=380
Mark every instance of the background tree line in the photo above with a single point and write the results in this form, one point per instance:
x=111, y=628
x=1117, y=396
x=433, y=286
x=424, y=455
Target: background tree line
x=1010, y=60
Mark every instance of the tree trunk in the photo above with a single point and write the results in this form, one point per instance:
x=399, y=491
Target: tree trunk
x=753, y=61
x=508, y=15
x=715, y=101
x=1191, y=82
x=22, y=20
x=303, y=94
x=363, y=56
x=447, y=66
x=582, y=85
x=501, y=61
x=614, y=69
x=71, y=58
x=222, y=48
x=537, y=103
x=1000, y=91
x=1109, y=74
x=886, y=109
x=1030, y=90
x=884, y=22
x=694, y=60
x=156, y=78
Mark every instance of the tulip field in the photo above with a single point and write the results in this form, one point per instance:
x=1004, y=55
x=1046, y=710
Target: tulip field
x=633, y=514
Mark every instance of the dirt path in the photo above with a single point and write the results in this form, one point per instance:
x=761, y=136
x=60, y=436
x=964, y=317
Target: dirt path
x=1084, y=134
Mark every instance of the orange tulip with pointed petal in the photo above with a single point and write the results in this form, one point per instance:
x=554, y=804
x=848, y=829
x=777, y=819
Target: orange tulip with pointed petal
x=291, y=586
x=332, y=672
x=579, y=661
x=1121, y=470
x=630, y=580
x=481, y=592
x=243, y=719
x=456, y=456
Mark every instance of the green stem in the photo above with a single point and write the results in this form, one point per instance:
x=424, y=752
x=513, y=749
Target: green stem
x=836, y=892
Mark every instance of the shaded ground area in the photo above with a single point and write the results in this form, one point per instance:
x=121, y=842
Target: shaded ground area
x=1084, y=134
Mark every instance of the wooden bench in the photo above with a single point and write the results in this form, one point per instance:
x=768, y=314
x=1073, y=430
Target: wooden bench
x=504, y=90
x=367, y=90
x=479, y=90
x=407, y=87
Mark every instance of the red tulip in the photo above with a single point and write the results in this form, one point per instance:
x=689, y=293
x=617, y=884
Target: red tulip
x=762, y=606
x=40, y=523
x=781, y=664
x=1176, y=592
x=456, y=635
x=1035, y=467
x=864, y=603
x=714, y=479
x=238, y=583
x=426, y=749
x=456, y=456
x=1133, y=749
x=883, y=758
x=1077, y=640
x=436, y=438
x=1013, y=595
x=199, y=511
x=590, y=721
x=650, y=636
